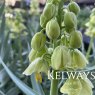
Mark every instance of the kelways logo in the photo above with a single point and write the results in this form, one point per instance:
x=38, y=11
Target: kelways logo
x=66, y=75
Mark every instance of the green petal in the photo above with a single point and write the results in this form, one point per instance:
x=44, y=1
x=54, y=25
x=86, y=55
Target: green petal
x=87, y=89
x=71, y=86
x=78, y=60
x=33, y=67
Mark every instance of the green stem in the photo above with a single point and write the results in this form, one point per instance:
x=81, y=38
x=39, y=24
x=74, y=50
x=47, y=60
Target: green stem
x=20, y=49
x=54, y=86
x=89, y=48
x=54, y=82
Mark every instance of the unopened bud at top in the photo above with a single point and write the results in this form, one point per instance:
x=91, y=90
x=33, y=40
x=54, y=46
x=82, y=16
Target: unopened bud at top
x=74, y=7
x=70, y=20
x=38, y=41
x=52, y=29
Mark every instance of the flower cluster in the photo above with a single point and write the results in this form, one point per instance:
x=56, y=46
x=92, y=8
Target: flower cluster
x=59, y=24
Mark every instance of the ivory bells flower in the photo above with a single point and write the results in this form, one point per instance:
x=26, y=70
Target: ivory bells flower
x=70, y=20
x=35, y=54
x=38, y=41
x=86, y=87
x=78, y=60
x=53, y=29
x=38, y=65
x=71, y=87
x=49, y=12
x=74, y=7
x=43, y=21
x=60, y=58
x=74, y=86
x=76, y=39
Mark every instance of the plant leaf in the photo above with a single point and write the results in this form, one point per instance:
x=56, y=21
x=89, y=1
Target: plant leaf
x=1, y=93
x=4, y=78
x=13, y=91
x=36, y=86
x=22, y=86
x=2, y=8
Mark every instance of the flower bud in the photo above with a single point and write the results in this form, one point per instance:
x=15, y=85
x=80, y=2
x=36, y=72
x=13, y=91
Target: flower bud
x=69, y=30
x=71, y=87
x=53, y=29
x=78, y=60
x=50, y=50
x=43, y=21
x=34, y=54
x=55, y=1
x=60, y=58
x=38, y=41
x=49, y=11
x=74, y=7
x=38, y=65
x=76, y=39
x=70, y=20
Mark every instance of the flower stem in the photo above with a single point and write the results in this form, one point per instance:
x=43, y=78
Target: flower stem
x=54, y=86
x=89, y=48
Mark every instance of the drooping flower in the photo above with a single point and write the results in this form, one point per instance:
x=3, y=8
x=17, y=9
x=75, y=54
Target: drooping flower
x=60, y=58
x=38, y=65
x=74, y=86
x=78, y=60
x=71, y=87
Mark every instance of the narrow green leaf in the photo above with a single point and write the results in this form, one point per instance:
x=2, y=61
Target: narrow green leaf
x=36, y=86
x=1, y=93
x=2, y=8
x=13, y=91
x=2, y=28
x=4, y=78
x=22, y=86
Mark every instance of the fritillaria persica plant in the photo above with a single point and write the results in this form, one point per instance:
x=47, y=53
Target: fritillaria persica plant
x=60, y=52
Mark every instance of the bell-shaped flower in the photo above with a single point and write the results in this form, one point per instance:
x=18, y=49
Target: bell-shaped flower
x=38, y=41
x=74, y=7
x=38, y=65
x=75, y=39
x=53, y=29
x=77, y=86
x=78, y=60
x=70, y=20
x=86, y=87
x=35, y=54
x=60, y=58
x=71, y=87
